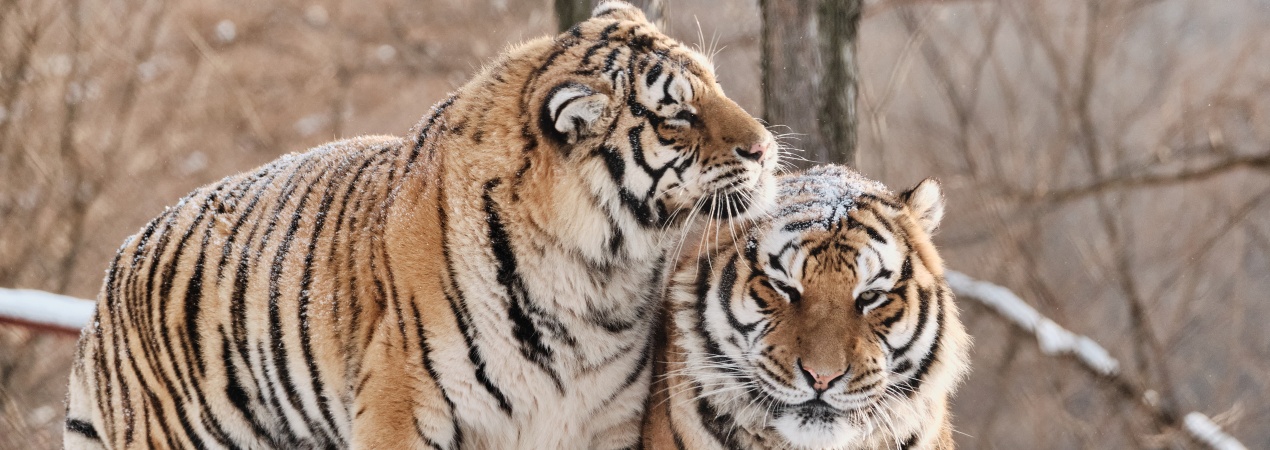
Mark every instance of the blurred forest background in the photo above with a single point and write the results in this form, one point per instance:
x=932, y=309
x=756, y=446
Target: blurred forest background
x=1108, y=160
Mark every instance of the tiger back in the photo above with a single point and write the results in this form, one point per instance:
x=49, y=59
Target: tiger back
x=488, y=281
x=827, y=325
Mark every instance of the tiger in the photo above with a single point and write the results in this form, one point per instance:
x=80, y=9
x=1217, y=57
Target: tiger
x=489, y=281
x=827, y=324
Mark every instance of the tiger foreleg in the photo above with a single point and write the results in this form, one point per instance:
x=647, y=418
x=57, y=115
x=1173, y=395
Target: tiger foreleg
x=398, y=404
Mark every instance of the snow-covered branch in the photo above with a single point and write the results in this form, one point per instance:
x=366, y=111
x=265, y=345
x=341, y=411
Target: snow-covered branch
x=1055, y=340
x=45, y=310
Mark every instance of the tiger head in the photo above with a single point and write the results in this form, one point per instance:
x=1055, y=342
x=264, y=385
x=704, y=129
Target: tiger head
x=834, y=312
x=645, y=122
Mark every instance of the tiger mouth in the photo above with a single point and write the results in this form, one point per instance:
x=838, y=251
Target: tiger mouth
x=815, y=410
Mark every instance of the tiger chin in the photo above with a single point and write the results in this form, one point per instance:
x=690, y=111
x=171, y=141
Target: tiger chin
x=490, y=280
x=826, y=325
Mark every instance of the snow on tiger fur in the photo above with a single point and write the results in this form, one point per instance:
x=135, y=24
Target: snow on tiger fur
x=827, y=325
x=489, y=281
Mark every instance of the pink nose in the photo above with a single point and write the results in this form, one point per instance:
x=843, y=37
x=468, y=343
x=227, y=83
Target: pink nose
x=756, y=151
x=820, y=381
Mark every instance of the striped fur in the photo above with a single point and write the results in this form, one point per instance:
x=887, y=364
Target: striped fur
x=826, y=325
x=489, y=281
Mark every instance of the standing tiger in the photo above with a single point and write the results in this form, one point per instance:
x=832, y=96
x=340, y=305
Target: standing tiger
x=489, y=281
x=827, y=325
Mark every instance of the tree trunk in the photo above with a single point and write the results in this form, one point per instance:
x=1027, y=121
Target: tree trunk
x=570, y=12
x=810, y=75
x=655, y=11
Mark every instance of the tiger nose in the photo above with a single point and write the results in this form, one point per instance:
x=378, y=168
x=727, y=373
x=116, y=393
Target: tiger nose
x=821, y=380
x=756, y=151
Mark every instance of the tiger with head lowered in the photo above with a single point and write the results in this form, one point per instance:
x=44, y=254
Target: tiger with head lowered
x=490, y=281
x=827, y=325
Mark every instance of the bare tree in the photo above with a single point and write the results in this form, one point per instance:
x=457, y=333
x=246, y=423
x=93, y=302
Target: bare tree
x=569, y=12
x=810, y=74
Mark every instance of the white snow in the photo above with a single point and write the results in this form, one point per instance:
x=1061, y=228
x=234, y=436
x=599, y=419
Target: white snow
x=1052, y=338
x=45, y=308
x=226, y=31
x=1204, y=430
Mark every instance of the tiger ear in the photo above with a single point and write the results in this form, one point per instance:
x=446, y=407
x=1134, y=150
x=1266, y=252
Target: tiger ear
x=618, y=10
x=926, y=202
x=575, y=110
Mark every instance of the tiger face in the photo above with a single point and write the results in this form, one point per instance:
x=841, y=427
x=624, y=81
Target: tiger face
x=643, y=117
x=833, y=316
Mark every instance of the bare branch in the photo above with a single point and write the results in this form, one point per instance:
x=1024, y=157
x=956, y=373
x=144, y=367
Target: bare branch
x=1208, y=171
x=1054, y=340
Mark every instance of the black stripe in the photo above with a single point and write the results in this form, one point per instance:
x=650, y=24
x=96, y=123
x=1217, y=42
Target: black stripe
x=424, y=437
x=423, y=134
x=119, y=315
x=915, y=382
x=302, y=309
x=923, y=309
x=102, y=367
x=158, y=350
x=890, y=320
x=192, y=338
x=117, y=319
x=238, y=329
x=520, y=306
x=83, y=428
x=238, y=310
x=458, y=305
x=278, y=345
x=642, y=364
x=666, y=99
x=726, y=292
x=872, y=232
x=884, y=273
x=712, y=347
x=906, y=270
x=236, y=394
x=611, y=59
x=231, y=202
x=884, y=201
x=334, y=267
x=429, y=365
x=140, y=313
x=909, y=443
x=721, y=426
x=653, y=73
x=359, y=233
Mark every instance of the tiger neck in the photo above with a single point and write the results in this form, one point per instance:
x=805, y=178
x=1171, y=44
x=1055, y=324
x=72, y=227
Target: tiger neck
x=568, y=208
